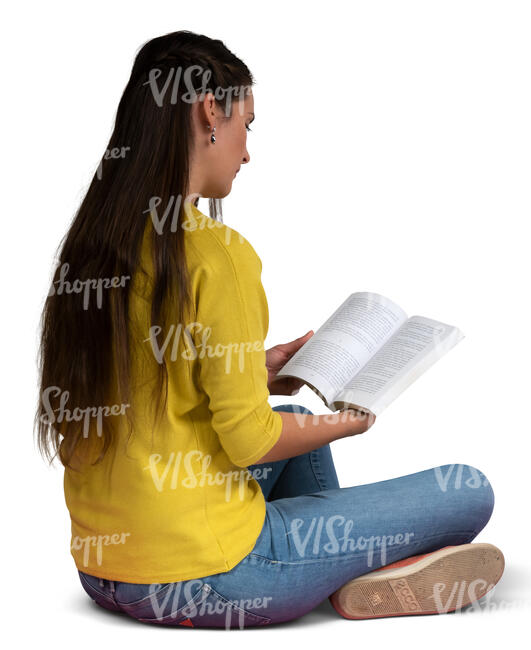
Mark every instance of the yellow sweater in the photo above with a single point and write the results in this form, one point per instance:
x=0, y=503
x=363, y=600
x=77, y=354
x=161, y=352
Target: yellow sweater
x=177, y=503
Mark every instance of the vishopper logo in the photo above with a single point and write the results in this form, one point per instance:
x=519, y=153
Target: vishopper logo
x=76, y=414
x=202, y=602
x=202, y=349
x=452, y=596
x=114, y=153
x=85, y=286
x=190, y=75
x=319, y=526
x=487, y=603
x=474, y=481
x=343, y=415
x=191, y=221
x=98, y=542
x=165, y=473
x=174, y=206
x=202, y=222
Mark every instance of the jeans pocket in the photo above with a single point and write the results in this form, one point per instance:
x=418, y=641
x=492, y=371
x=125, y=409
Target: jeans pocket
x=215, y=610
x=168, y=604
x=91, y=586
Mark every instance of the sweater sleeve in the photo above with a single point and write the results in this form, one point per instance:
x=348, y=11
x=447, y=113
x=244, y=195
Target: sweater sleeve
x=232, y=324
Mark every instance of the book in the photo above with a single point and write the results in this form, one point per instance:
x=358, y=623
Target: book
x=368, y=352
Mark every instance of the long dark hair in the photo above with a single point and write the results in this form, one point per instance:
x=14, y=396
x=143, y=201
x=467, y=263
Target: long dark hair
x=147, y=156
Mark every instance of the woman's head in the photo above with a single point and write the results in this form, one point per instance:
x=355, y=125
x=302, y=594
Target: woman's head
x=210, y=89
x=192, y=87
x=181, y=86
x=216, y=161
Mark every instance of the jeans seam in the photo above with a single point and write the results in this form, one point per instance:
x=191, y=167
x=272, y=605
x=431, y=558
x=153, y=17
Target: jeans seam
x=355, y=556
x=316, y=469
x=110, y=598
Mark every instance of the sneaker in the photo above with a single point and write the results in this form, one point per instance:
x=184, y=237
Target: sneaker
x=432, y=583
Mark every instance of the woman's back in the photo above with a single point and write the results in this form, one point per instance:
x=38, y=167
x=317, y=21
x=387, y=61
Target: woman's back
x=176, y=503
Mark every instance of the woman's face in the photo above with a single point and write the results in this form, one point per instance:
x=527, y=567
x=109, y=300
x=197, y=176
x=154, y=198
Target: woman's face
x=214, y=165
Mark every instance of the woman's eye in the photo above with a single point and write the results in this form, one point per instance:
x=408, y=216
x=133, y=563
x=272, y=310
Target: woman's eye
x=248, y=127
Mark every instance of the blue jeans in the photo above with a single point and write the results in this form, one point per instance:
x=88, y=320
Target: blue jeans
x=316, y=537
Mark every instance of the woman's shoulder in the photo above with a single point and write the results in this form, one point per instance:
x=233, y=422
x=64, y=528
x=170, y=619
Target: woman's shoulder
x=216, y=244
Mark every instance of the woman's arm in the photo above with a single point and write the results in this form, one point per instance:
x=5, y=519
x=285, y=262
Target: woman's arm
x=302, y=432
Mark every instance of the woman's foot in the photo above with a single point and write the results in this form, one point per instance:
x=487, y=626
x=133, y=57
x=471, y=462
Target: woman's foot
x=432, y=583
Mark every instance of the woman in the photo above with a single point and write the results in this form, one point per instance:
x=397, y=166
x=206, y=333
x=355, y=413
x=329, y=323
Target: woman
x=192, y=501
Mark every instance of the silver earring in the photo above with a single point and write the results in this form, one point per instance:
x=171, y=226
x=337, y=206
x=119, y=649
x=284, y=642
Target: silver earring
x=213, y=137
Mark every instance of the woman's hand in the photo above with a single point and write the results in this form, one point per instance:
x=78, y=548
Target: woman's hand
x=362, y=419
x=276, y=358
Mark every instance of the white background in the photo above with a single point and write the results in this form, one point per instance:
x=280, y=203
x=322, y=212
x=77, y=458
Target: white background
x=390, y=153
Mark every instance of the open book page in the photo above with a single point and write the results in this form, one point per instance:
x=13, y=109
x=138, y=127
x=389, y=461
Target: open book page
x=417, y=345
x=345, y=342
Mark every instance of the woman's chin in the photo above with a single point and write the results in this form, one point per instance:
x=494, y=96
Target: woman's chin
x=221, y=192
x=227, y=190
